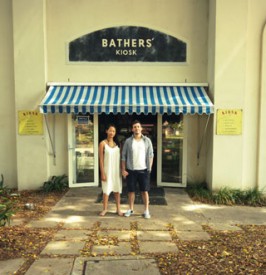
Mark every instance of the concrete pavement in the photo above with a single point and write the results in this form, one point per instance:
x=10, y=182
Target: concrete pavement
x=88, y=244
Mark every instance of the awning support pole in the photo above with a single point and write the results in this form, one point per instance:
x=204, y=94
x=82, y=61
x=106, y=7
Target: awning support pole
x=202, y=138
x=50, y=138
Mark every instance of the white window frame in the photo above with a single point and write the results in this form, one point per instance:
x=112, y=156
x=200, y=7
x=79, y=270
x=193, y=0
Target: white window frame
x=159, y=156
x=71, y=154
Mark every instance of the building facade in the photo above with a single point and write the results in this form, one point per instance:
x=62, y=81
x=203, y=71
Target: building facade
x=221, y=53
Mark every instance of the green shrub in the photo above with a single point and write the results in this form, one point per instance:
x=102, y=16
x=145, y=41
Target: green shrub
x=6, y=211
x=227, y=196
x=56, y=184
x=254, y=197
x=6, y=205
x=199, y=192
x=2, y=182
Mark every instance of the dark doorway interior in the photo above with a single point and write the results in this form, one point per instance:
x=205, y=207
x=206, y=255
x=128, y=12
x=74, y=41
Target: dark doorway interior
x=123, y=125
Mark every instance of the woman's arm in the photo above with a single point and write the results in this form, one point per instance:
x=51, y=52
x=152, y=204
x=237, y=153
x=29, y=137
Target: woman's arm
x=101, y=159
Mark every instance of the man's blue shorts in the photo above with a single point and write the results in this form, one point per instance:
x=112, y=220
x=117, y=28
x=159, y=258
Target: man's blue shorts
x=142, y=177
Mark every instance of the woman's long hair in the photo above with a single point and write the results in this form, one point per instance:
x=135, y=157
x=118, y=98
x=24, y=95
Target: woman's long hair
x=115, y=137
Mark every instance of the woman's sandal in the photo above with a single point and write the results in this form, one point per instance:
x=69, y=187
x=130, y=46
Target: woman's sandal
x=103, y=213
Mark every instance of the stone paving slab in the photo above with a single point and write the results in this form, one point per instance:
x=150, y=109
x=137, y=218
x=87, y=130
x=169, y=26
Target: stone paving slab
x=107, y=263
x=84, y=192
x=193, y=235
x=74, y=235
x=154, y=235
x=153, y=224
x=8, y=267
x=234, y=214
x=120, y=235
x=122, y=266
x=17, y=221
x=42, y=223
x=157, y=247
x=78, y=214
x=79, y=222
x=122, y=248
x=186, y=226
x=224, y=227
x=115, y=223
x=45, y=266
x=63, y=248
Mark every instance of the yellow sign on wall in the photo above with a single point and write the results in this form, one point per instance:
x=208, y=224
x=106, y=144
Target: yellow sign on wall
x=30, y=123
x=229, y=122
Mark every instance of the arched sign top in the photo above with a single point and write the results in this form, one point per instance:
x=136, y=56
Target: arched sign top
x=127, y=44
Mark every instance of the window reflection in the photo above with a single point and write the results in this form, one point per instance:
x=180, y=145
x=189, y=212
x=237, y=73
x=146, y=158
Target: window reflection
x=172, y=148
x=84, y=150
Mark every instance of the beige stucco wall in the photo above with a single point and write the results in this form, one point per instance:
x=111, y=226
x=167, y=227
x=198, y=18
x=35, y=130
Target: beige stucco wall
x=225, y=48
x=30, y=77
x=67, y=20
x=229, y=88
x=7, y=110
x=41, y=32
x=262, y=118
x=236, y=85
x=255, y=99
x=186, y=20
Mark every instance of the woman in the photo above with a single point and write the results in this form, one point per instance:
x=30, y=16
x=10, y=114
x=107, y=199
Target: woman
x=109, y=155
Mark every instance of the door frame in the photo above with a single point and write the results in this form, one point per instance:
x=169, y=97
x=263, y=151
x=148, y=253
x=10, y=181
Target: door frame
x=159, y=156
x=71, y=154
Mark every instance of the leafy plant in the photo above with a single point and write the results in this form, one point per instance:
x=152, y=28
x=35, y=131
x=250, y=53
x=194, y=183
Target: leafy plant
x=6, y=205
x=227, y=196
x=56, y=184
x=6, y=211
x=199, y=192
x=2, y=182
x=254, y=197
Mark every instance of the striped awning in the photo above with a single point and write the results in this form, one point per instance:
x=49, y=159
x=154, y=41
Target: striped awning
x=126, y=99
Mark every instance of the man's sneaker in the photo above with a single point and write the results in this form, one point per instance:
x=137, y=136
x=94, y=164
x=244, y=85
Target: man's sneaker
x=128, y=213
x=146, y=215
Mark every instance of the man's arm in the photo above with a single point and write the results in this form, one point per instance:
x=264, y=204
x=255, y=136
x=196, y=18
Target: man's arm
x=151, y=155
x=123, y=160
x=151, y=162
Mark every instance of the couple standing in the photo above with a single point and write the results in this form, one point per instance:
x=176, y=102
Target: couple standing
x=136, y=164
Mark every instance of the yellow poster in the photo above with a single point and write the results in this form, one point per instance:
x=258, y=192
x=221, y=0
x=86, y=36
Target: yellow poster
x=229, y=122
x=30, y=123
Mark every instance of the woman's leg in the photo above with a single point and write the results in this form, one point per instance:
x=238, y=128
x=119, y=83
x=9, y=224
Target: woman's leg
x=105, y=204
x=117, y=201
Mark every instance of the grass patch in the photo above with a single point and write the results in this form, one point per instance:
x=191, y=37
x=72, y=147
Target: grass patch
x=226, y=196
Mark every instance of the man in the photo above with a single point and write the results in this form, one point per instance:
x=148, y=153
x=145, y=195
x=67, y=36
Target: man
x=137, y=159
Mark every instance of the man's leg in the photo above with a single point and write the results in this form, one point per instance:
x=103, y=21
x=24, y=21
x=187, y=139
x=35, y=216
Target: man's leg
x=131, y=200
x=144, y=180
x=131, y=182
x=146, y=200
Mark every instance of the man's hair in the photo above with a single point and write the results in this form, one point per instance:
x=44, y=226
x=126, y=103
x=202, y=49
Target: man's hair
x=135, y=122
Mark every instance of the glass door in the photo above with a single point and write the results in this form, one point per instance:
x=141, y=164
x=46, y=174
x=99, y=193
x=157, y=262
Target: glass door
x=172, y=151
x=83, y=151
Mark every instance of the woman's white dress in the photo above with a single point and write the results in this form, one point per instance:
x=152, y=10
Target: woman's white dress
x=112, y=170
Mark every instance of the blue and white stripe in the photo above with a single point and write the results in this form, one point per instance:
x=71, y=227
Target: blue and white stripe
x=126, y=99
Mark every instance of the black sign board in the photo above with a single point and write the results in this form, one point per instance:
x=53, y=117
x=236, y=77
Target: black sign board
x=127, y=44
